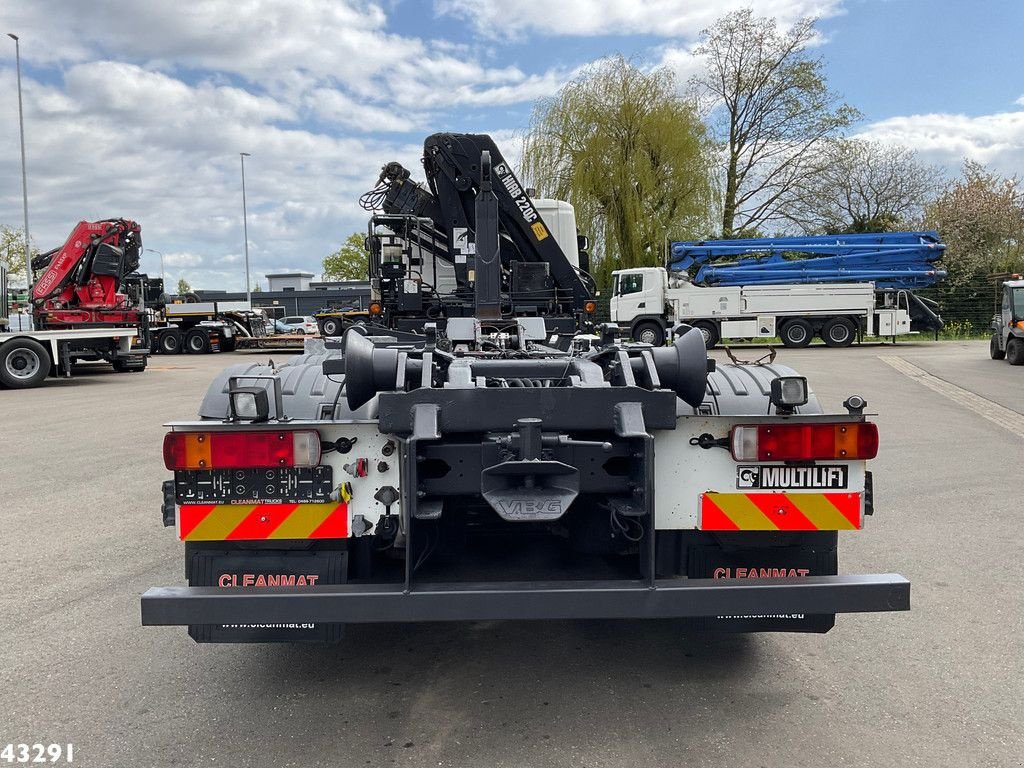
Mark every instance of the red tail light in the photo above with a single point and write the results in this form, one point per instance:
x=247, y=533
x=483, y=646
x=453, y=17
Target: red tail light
x=241, y=450
x=804, y=442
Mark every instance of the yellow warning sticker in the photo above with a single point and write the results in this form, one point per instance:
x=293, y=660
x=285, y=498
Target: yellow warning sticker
x=539, y=230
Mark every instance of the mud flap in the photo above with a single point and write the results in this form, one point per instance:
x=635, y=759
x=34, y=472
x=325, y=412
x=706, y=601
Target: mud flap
x=234, y=568
x=807, y=555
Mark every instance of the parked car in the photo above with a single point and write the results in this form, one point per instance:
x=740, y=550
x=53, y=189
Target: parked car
x=297, y=324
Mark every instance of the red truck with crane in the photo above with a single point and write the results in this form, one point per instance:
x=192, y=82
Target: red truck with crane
x=79, y=312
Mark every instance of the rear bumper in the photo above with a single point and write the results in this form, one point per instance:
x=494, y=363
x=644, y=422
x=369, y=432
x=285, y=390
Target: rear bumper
x=667, y=598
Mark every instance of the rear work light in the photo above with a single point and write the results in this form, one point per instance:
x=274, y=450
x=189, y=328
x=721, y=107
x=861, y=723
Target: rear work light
x=241, y=450
x=804, y=442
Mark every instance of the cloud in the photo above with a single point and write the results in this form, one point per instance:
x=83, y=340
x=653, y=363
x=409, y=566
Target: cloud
x=681, y=60
x=997, y=140
x=117, y=140
x=182, y=259
x=662, y=18
x=335, y=58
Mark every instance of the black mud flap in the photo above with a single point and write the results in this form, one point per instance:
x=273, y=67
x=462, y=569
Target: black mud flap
x=811, y=555
x=234, y=568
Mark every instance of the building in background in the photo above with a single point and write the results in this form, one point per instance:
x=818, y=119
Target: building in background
x=290, y=281
x=353, y=294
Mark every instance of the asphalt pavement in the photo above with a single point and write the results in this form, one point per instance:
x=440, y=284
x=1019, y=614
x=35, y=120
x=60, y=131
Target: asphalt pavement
x=942, y=685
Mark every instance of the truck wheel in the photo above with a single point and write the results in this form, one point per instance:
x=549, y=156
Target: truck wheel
x=993, y=348
x=197, y=342
x=24, y=363
x=170, y=342
x=838, y=332
x=1015, y=351
x=331, y=326
x=710, y=333
x=649, y=332
x=796, y=334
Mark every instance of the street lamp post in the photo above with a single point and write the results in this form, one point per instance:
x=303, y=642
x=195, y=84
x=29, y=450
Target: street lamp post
x=24, y=173
x=245, y=231
x=161, y=255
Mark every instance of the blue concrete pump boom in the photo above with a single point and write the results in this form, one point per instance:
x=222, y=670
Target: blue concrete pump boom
x=887, y=259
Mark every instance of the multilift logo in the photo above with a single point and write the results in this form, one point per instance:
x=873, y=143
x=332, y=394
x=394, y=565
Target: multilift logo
x=781, y=477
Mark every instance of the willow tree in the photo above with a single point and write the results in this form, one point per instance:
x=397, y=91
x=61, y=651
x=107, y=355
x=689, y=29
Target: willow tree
x=630, y=154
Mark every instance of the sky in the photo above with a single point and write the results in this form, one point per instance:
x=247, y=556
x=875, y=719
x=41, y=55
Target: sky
x=140, y=109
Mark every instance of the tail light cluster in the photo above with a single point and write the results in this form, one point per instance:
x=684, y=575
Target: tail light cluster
x=804, y=442
x=241, y=450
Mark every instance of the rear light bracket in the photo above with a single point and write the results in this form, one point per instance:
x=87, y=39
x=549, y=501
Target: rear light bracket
x=233, y=387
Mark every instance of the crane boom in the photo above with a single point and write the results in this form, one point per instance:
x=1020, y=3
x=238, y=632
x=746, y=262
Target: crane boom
x=889, y=260
x=451, y=163
x=80, y=282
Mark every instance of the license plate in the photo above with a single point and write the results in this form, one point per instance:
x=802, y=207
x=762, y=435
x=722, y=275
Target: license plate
x=254, y=486
x=782, y=478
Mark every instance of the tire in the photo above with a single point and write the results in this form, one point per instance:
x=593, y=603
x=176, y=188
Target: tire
x=649, y=332
x=1015, y=351
x=710, y=333
x=170, y=342
x=331, y=326
x=24, y=363
x=796, y=334
x=838, y=332
x=228, y=345
x=993, y=348
x=197, y=342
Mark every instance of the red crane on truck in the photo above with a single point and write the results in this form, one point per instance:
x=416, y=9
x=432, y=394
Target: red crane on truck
x=81, y=280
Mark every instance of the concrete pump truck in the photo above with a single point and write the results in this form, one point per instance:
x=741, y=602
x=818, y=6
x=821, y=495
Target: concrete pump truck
x=836, y=287
x=478, y=472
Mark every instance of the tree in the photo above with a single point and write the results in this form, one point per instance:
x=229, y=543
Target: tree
x=12, y=251
x=632, y=157
x=183, y=286
x=350, y=262
x=770, y=105
x=860, y=186
x=981, y=219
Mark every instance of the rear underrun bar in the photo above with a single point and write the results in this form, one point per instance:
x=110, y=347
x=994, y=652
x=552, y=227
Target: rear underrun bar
x=667, y=598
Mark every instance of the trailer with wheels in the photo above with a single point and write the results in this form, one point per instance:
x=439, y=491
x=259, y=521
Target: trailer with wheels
x=202, y=327
x=333, y=322
x=28, y=358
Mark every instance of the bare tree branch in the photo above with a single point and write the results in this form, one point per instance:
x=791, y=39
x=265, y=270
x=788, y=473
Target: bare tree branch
x=777, y=107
